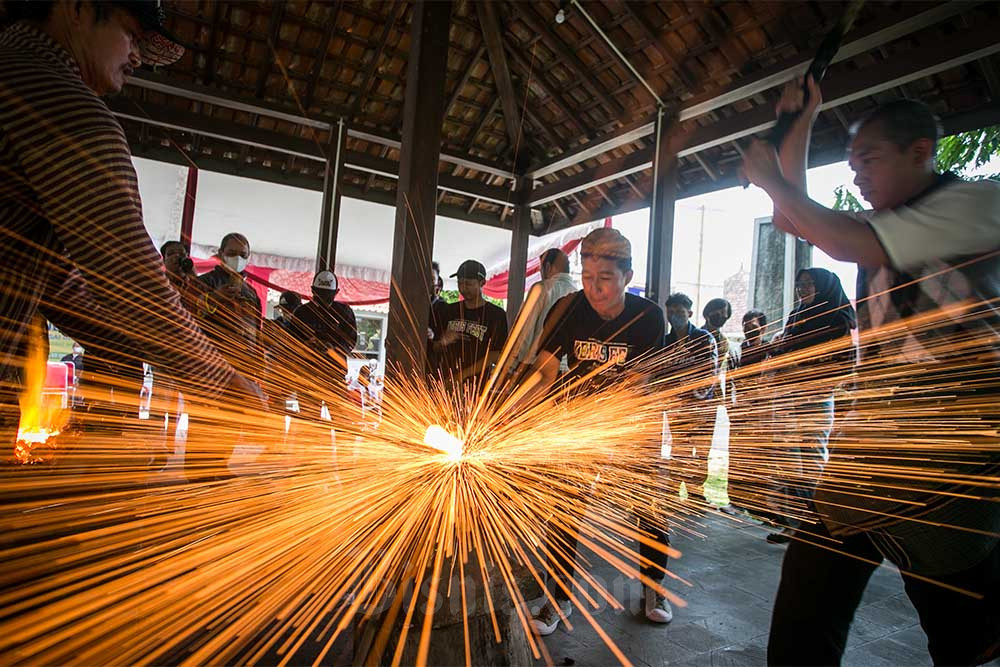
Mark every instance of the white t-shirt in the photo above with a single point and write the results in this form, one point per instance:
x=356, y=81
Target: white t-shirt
x=958, y=220
x=927, y=243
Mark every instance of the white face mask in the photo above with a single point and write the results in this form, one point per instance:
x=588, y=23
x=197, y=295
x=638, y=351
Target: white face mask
x=236, y=262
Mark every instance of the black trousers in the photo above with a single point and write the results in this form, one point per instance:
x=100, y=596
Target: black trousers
x=821, y=589
x=565, y=542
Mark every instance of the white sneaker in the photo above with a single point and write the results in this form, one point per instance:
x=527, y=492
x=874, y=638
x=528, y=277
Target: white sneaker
x=657, y=606
x=547, y=619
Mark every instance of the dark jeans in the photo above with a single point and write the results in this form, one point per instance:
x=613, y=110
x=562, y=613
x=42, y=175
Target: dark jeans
x=566, y=541
x=820, y=590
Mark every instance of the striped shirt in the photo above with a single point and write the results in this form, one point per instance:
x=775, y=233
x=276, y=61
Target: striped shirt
x=72, y=242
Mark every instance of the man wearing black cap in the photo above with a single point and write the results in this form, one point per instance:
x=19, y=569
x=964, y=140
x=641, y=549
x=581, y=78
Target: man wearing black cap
x=468, y=335
x=74, y=238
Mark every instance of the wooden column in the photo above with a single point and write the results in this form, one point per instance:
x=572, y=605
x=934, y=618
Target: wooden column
x=519, y=249
x=329, y=225
x=187, y=216
x=661, y=211
x=416, y=190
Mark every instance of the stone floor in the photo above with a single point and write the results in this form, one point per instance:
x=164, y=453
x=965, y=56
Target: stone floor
x=732, y=575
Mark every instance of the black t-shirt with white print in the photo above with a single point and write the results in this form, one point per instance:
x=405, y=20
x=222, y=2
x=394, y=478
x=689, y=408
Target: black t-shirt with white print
x=590, y=342
x=479, y=330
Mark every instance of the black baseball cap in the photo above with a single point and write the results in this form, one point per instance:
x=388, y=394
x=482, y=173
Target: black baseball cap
x=157, y=45
x=470, y=268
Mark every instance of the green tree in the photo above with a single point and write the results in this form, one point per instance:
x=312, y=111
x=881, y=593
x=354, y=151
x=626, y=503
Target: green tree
x=965, y=151
x=845, y=200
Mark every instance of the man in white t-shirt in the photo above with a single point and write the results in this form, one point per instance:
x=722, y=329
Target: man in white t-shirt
x=911, y=481
x=555, y=284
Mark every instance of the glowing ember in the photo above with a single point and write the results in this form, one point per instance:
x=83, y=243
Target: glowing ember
x=444, y=442
x=29, y=445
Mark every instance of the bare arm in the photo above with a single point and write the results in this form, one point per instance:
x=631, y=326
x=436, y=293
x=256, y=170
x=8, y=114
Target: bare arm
x=839, y=235
x=794, y=152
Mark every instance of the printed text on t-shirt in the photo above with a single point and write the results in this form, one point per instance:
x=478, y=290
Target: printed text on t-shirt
x=589, y=350
x=465, y=326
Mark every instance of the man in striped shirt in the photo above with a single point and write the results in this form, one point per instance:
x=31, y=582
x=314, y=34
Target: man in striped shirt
x=72, y=242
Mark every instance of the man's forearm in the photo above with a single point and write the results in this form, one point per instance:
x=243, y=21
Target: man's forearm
x=841, y=236
x=793, y=155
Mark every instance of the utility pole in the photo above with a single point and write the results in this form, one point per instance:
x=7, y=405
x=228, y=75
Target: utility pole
x=701, y=247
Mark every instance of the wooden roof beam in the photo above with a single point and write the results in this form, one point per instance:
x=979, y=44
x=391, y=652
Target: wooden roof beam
x=271, y=53
x=173, y=119
x=865, y=39
x=528, y=14
x=675, y=60
x=282, y=112
x=373, y=63
x=490, y=24
x=538, y=77
x=842, y=89
x=320, y=59
x=212, y=49
x=464, y=79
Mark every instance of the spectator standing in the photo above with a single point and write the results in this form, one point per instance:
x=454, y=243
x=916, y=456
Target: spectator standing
x=691, y=358
x=805, y=412
x=230, y=309
x=555, y=284
x=330, y=329
x=469, y=334
x=181, y=273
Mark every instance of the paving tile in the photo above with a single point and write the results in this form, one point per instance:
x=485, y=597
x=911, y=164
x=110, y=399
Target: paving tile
x=734, y=575
x=737, y=656
x=697, y=638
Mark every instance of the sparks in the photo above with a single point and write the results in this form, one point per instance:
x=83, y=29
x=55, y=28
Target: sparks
x=439, y=439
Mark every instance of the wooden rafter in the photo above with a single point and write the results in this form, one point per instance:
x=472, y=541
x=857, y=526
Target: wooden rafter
x=490, y=24
x=470, y=64
x=212, y=49
x=705, y=166
x=362, y=94
x=529, y=15
x=675, y=60
x=277, y=12
x=320, y=60
x=536, y=75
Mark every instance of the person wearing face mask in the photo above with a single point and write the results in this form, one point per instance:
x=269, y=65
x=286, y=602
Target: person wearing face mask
x=75, y=358
x=691, y=358
x=230, y=310
x=823, y=315
x=330, y=329
x=716, y=313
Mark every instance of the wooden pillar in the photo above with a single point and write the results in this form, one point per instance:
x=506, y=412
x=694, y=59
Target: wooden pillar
x=416, y=190
x=187, y=216
x=329, y=225
x=661, y=212
x=519, y=249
